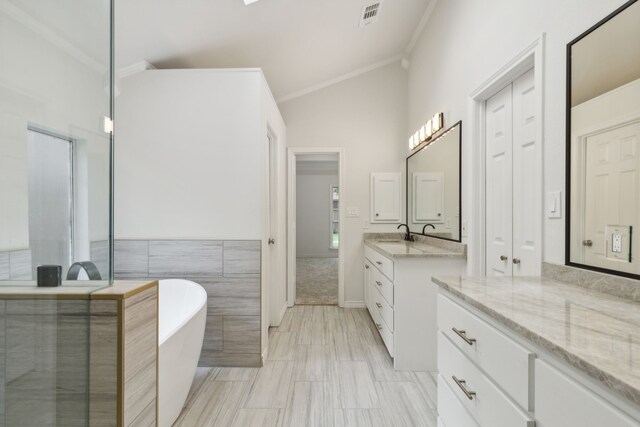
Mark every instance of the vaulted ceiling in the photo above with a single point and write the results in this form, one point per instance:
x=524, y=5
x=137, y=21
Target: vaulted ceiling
x=298, y=43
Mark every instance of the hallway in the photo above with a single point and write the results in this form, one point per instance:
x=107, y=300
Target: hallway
x=326, y=366
x=317, y=281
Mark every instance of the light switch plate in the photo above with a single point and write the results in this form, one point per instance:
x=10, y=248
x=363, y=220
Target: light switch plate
x=353, y=212
x=365, y=223
x=554, y=204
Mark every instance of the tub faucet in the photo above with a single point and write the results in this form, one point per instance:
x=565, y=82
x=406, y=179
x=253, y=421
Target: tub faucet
x=428, y=225
x=88, y=266
x=408, y=237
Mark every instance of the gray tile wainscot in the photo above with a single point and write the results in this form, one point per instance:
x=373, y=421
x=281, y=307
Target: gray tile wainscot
x=229, y=270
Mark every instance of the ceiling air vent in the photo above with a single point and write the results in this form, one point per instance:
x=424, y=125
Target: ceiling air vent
x=369, y=14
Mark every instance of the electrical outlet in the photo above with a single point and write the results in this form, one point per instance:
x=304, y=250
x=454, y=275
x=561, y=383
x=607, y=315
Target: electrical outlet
x=365, y=223
x=465, y=228
x=616, y=243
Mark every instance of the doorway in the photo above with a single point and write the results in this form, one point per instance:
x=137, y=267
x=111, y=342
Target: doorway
x=318, y=229
x=315, y=241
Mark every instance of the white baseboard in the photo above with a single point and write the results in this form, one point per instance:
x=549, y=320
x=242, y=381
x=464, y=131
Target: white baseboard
x=355, y=304
x=280, y=315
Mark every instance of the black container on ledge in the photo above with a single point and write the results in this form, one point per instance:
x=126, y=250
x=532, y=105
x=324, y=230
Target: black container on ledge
x=49, y=275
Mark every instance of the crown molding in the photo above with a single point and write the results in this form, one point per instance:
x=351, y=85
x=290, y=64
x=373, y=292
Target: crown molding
x=135, y=68
x=339, y=79
x=421, y=25
x=51, y=36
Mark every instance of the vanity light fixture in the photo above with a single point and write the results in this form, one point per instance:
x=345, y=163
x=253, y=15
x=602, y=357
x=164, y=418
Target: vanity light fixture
x=427, y=131
x=436, y=122
x=248, y=2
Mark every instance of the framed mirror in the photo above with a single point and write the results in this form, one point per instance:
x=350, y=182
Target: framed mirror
x=603, y=145
x=434, y=180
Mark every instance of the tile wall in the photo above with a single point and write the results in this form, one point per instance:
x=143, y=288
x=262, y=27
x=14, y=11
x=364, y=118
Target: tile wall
x=229, y=270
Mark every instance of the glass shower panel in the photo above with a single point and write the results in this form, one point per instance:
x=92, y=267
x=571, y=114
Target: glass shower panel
x=55, y=201
x=55, y=89
x=46, y=377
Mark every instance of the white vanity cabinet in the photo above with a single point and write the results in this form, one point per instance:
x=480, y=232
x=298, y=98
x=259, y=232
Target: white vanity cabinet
x=492, y=377
x=401, y=299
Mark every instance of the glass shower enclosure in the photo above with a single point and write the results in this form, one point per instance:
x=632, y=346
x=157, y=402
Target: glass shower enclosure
x=56, y=103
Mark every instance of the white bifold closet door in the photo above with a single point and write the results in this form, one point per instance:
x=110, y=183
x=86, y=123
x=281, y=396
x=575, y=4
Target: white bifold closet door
x=513, y=181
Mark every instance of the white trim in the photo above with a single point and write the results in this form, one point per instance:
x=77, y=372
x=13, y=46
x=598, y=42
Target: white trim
x=531, y=57
x=291, y=218
x=421, y=25
x=354, y=304
x=280, y=316
x=339, y=79
x=51, y=36
x=135, y=68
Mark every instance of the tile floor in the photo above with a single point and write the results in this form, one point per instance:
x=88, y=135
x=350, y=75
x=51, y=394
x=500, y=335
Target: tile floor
x=316, y=280
x=326, y=367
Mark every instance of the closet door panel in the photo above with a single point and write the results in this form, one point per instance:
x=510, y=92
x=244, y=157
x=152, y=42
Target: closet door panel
x=499, y=153
x=527, y=191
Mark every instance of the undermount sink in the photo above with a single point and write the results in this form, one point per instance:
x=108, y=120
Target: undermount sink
x=389, y=241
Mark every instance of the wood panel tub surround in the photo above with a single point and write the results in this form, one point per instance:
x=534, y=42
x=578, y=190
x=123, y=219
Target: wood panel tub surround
x=124, y=355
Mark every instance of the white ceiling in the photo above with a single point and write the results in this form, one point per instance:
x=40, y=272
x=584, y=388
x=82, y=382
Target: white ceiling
x=298, y=43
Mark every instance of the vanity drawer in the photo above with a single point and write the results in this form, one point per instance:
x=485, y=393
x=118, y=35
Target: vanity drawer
x=489, y=407
x=386, y=311
x=385, y=332
x=508, y=363
x=383, y=263
x=384, y=285
x=450, y=410
x=577, y=407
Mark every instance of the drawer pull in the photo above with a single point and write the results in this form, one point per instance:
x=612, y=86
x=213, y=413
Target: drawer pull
x=379, y=305
x=379, y=326
x=379, y=262
x=461, y=383
x=366, y=266
x=378, y=283
x=462, y=334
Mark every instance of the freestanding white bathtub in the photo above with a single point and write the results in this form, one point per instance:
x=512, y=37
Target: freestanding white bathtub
x=181, y=321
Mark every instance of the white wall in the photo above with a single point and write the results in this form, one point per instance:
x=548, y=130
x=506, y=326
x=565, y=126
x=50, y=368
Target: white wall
x=313, y=208
x=366, y=116
x=190, y=155
x=466, y=41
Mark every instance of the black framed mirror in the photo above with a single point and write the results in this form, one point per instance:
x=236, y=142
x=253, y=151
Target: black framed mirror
x=603, y=145
x=434, y=186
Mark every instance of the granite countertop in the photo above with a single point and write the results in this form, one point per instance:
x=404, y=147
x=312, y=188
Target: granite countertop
x=599, y=334
x=393, y=245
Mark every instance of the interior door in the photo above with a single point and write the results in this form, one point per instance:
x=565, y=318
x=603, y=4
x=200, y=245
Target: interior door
x=272, y=241
x=499, y=189
x=527, y=203
x=611, y=194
